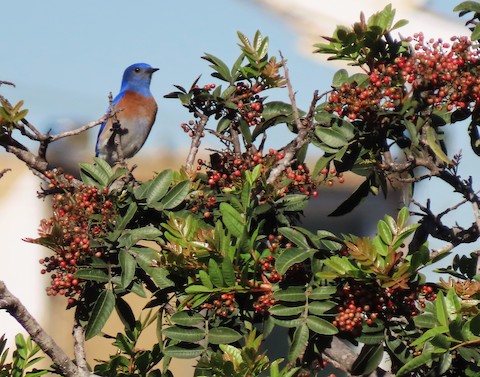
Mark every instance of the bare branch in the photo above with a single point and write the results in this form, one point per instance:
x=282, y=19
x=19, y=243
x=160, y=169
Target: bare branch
x=304, y=127
x=196, y=141
x=12, y=305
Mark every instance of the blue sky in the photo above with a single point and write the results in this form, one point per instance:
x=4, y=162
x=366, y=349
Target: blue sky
x=66, y=58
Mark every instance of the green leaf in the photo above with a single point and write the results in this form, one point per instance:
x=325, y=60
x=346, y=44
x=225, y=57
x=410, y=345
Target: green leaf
x=215, y=273
x=452, y=303
x=295, y=236
x=158, y=187
x=429, y=335
x=385, y=232
x=320, y=326
x=320, y=307
x=185, y=351
x=101, y=312
x=415, y=363
x=426, y=321
x=128, y=265
x=402, y=217
x=175, y=196
x=322, y=293
x=228, y=272
x=92, y=275
x=95, y=172
x=441, y=312
x=291, y=294
x=205, y=279
x=299, y=343
x=125, y=219
x=125, y=313
x=223, y=335
x=184, y=334
x=339, y=78
x=192, y=289
x=368, y=360
x=285, y=311
x=130, y=237
x=331, y=137
x=353, y=200
x=147, y=259
x=187, y=318
x=432, y=140
x=232, y=219
x=291, y=256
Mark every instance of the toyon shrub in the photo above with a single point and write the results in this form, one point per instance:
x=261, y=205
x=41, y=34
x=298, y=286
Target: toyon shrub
x=217, y=251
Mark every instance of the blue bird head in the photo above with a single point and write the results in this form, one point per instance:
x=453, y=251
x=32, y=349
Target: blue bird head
x=137, y=78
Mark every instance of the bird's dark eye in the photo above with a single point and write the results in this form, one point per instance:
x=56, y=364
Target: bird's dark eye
x=137, y=70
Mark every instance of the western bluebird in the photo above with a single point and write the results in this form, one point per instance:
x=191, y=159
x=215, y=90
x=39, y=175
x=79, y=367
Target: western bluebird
x=136, y=118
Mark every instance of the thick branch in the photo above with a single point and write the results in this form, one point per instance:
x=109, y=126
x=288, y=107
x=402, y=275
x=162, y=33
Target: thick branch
x=342, y=357
x=12, y=305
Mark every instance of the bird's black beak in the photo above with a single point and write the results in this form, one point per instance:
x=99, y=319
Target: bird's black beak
x=152, y=70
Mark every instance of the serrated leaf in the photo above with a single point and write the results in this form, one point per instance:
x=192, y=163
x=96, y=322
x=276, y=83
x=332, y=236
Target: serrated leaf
x=223, y=335
x=101, y=312
x=184, y=334
x=128, y=265
x=299, y=343
x=321, y=326
x=187, y=318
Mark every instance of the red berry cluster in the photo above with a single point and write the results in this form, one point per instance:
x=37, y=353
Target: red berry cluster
x=445, y=73
x=223, y=305
x=191, y=128
x=249, y=103
x=267, y=266
x=264, y=303
x=80, y=214
x=330, y=175
x=301, y=181
x=363, y=303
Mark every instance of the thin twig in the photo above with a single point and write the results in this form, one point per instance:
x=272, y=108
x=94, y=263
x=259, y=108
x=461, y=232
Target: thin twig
x=4, y=171
x=304, y=128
